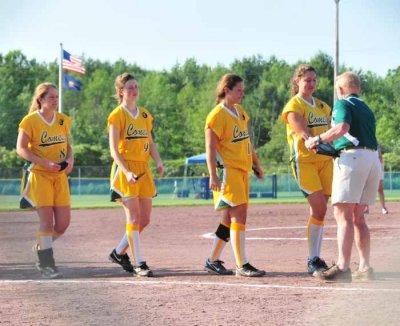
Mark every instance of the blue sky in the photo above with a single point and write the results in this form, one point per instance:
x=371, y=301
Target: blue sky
x=158, y=34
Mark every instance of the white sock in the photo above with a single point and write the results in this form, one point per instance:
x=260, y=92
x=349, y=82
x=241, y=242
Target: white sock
x=238, y=241
x=217, y=247
x=321, y=238
x=132, y=231
x=45, y=242
x=44, y=239
x=314, y=237
x=123, y=244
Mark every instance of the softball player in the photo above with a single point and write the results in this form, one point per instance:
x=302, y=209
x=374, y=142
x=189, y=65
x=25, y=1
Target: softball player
x=227, y=139
x=131, y=181
x=44, y=141
x=307, y=116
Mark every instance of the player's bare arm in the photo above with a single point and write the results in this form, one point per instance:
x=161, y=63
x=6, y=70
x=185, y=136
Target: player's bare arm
x=328, y=136
x=257, y=168
x=24, y=151
x=298, y=124
x=70, y=155
x=211, y=156
x=157, y=158
x=113, y=141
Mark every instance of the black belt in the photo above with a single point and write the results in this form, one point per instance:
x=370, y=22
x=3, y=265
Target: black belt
x=359, y=147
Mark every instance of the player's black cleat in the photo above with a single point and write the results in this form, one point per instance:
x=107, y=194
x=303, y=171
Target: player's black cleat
x=48, y=272
x=46, y=264
x=249, y=271
x=143, y=270
x=122, y=260
x=216, y=267
x=316, y=265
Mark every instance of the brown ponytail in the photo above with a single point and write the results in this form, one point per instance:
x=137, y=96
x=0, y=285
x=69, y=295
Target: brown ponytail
x=299, y=72
x=227, y=81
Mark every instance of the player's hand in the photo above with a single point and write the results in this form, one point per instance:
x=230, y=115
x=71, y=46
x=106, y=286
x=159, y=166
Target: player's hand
x=51, y=166
x=258, y=172
x=304, y=136
x=215, y=183
x=70, y=165
x=160, y=169
x=311, y=142
x=131, y=177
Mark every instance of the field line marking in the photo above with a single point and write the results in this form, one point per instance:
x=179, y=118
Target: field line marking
x=187, y=283
x=210, y=235
x=326, y=227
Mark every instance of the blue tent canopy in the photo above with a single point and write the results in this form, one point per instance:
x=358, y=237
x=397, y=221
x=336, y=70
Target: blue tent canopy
x=196, y=159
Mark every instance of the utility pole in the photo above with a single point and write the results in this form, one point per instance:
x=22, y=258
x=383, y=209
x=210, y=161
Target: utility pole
x=336, y=62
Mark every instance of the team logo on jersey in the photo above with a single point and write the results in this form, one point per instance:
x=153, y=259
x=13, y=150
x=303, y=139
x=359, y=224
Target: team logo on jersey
x=316, y=121
x=61, y=122
x=239, y=135
x=144, y=115
x=133, y=133
x=46, y=140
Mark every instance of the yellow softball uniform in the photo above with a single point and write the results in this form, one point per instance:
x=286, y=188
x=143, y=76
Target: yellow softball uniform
x=48, y=140
x=134, y=133
x=234, y=147
x=312, y=177
x=134, y=147
x=234, y=189
x=40, y=187
x=318, y=118
x=143, y=188
x=234, y=152
x=313, y=172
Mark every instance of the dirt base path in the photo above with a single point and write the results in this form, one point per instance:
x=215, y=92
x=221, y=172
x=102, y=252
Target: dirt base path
x=175, y=245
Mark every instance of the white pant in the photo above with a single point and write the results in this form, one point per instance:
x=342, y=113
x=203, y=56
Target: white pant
x=356, y=175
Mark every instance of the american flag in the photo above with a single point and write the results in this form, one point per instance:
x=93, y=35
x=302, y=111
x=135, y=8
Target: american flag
x=72, y=63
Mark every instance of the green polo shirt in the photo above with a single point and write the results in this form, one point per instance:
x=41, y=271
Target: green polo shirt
x=361, y=119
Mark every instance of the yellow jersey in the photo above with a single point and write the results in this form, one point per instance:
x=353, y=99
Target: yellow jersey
x=318, y=118
x=134, y=133
x=47, y=140
x=233, y=147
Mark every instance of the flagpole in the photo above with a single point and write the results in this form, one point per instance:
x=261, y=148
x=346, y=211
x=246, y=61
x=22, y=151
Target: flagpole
x=60, y=79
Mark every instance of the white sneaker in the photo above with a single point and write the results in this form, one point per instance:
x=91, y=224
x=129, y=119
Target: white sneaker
x=384, y=211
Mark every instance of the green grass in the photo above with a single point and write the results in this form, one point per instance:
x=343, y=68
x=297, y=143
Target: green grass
x=9, y=203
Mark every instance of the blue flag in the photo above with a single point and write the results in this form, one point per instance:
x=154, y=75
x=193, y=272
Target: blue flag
x=70, y=82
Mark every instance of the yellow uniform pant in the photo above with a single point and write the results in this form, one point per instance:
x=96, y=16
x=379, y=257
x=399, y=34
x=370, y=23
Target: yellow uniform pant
x=234, y=189
x=143, y=188
x=39, y=188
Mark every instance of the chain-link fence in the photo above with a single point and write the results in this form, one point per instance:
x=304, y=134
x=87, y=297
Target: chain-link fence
x=94, y=181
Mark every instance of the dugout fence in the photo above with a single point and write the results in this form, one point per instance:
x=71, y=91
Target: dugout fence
x=93, y=180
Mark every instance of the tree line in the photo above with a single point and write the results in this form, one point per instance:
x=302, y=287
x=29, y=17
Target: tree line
x=180, y=99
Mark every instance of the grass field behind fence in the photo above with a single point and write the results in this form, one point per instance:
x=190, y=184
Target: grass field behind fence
x=8, y=203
